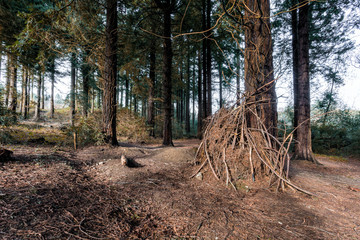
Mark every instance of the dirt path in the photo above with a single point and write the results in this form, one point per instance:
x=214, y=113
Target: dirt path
x=49, y=193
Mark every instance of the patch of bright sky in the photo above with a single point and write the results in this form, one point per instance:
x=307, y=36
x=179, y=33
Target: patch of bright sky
x=350, y=92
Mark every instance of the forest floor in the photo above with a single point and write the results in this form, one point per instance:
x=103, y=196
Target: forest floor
x=51, y=192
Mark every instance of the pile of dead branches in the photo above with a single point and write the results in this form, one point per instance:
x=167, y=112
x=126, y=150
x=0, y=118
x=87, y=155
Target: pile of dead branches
x=237, y=153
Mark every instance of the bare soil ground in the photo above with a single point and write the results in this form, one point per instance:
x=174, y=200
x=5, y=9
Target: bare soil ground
x=48, y=192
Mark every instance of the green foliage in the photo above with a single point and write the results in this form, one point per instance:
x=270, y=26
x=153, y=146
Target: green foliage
x=339, y=135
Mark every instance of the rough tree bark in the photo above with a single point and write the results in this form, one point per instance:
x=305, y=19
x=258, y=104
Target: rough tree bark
x=303, y=149
x=109, y=94
x=167, y=7
x=259, y=75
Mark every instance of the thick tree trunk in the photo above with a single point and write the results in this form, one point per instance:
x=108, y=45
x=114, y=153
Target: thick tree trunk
x=12, y=87
x=303, y=149
x=151, y=93
x=167, y=84
x=259, y=75
x=38, y=102
x=72, y=89
x=52, y=79
x=109, y=98
x=167, y=7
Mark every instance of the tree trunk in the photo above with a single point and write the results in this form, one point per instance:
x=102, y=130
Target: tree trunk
x=38, y=102
x=23, y=89
x=25, y=112
x=122, y=95
x=303, y=149
x=52, y=78
x=220, y=86
x=187, y=95
x=12, y=86
x=238, y=78
x=30, y=78
x=99, y=94
x=109, y=98
x=167, y=7
x=43, y=92
x=295, y=63
x=181, y=94
x=151, y=93
x=8, y=76
x=1, y=54
x=208, y=60
x=259, y=76
x=72, y=89
x=200, y=100
x=135, y=104
x=86, y=81
x=193, y=96
x=204, y=64
x=32, y=87
x=127, y=92
x=92, y=100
